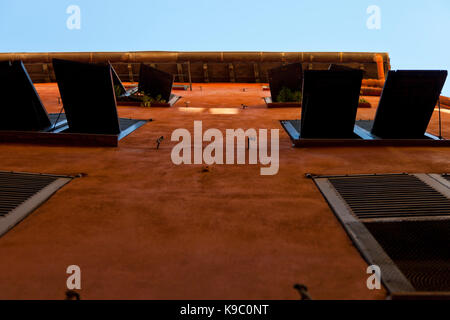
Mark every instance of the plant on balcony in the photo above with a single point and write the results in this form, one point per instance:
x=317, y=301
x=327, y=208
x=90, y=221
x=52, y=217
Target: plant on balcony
x=118, y=91
x=147, y=100
x=287, y=95
x=362, y=100
x=140, y=97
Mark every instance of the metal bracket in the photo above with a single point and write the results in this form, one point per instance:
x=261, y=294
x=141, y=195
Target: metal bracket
x=256, y=72
x=130, y=72
x=231, y=71
x=205, y=72
x=46, y=70
x=180, y=72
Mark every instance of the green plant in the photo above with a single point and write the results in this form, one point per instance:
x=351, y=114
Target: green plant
x=362, y=100
x=287, y=95
x=118, y=90
x=148, y=100
x=142, y=98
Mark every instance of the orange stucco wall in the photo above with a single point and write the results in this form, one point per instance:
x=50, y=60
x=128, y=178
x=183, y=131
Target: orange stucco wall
x=142, y=228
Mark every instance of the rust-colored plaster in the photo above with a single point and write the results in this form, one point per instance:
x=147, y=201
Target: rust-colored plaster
x=142, y=228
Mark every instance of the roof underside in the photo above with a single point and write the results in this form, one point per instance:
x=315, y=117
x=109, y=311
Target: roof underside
x=203, y=67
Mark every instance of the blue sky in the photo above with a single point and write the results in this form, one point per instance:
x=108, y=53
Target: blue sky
x=415, y=33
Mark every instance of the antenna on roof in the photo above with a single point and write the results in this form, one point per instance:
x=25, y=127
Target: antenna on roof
x=440, y=121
